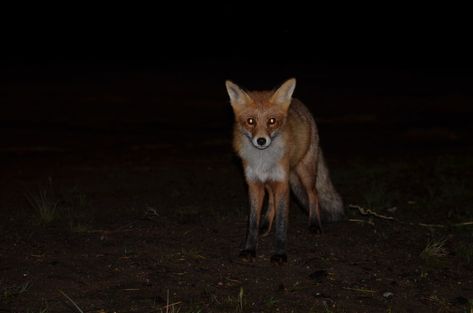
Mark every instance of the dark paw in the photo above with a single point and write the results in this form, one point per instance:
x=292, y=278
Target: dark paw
x=279, y=259
x=248, y=255
x=316, y=228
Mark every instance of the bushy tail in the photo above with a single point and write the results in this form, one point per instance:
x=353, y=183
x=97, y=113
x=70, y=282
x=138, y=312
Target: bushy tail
x=330, y=201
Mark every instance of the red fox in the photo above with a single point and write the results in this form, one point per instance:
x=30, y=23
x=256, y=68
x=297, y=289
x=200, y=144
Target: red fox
x=277, y=140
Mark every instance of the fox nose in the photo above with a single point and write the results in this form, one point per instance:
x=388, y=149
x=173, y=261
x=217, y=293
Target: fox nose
x=261, y=141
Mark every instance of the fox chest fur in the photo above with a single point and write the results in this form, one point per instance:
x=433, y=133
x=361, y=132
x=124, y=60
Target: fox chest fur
x=264, y=165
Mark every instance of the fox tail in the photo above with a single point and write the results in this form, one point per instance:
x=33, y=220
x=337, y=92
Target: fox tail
x=330, y=202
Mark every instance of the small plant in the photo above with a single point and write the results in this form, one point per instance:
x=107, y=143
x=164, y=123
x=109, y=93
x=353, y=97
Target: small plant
x=68, y=207
x=45, y=205
x=434, y=249
x=240, y=299
x=229, y=303
x=170, y=307
x=9, y=293
x=433, y=255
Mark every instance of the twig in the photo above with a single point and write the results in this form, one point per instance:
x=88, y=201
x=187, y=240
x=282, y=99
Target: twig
x=72, y=301
x=430, y=225
x=361, y=221
x=463, y=224
x=365, y=211
x=360, y=290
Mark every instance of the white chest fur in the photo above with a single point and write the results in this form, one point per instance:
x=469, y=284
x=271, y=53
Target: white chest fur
x=264, y=165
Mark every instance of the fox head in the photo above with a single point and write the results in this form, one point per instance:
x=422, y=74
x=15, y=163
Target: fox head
x=259, y=115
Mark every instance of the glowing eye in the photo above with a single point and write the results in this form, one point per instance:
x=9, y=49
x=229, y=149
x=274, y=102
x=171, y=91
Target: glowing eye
x=272, y=121
x=251, y=121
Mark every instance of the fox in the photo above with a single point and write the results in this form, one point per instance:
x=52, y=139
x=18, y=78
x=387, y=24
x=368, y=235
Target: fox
x=276, y=138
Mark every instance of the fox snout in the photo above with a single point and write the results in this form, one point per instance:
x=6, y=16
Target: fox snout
x=261, y=142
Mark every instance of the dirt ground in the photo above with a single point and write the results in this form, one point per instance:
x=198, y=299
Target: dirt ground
x=151, y=218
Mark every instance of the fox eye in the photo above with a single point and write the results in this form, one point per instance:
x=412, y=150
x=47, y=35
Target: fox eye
x=251, y=121
x=272, y=121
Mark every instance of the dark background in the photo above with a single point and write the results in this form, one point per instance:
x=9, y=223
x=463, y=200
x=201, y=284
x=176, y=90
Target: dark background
x=124, y=69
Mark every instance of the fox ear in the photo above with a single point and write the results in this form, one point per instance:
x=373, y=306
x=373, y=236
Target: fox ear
x=283, y=95
x=238, y=98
